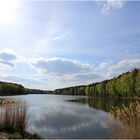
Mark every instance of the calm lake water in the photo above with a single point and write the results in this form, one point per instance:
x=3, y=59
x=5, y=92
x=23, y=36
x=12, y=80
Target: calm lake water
x=58, y=116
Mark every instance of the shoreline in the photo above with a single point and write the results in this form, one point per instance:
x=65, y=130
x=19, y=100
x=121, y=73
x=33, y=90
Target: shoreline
x=134, y=98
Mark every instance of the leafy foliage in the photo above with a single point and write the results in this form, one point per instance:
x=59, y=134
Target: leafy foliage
x=125, y=85
x=11, y=89
x=17, y=89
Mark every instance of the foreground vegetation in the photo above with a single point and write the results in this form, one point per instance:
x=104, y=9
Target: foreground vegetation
x=13, y=121
x=125, y=85
x=123, y=120
x=130, y=121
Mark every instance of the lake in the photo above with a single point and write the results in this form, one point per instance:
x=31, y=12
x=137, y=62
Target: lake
x=59, y=116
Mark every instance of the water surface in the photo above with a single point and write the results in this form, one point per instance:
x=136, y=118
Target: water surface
x=59, y=116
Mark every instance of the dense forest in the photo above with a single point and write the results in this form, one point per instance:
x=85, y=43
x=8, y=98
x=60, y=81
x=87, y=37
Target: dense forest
x=17, y=89
x=125, y=85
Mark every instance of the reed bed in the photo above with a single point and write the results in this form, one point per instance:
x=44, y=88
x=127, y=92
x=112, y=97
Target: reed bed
x=13, y=118
x=129, y=118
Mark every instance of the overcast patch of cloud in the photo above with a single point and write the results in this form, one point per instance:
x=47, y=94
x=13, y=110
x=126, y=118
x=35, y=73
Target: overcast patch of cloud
x=61, y=66
x=7, y=63
x=64, y=72
x=7, y=57
x=83, y=78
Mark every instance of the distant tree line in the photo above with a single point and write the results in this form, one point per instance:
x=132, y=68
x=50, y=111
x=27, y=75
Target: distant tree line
x=125, y=85
x=37, y=91
x=11, y=88
x=7, y=88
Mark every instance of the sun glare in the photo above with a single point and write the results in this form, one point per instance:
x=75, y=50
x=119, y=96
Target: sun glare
x=8, y=11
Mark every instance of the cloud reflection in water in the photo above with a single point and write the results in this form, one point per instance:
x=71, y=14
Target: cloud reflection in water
x=69, y=121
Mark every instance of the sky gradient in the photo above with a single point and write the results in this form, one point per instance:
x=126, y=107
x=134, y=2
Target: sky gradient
x=49, y=45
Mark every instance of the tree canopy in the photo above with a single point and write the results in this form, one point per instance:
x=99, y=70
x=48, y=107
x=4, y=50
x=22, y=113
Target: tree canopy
x=125, y=85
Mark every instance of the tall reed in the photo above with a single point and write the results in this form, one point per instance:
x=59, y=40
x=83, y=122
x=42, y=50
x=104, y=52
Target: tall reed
x=129, y=116
x=13, y=117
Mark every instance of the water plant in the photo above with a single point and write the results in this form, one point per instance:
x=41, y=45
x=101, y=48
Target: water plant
x=129, y=118
x=13, y=121
x=13, y=117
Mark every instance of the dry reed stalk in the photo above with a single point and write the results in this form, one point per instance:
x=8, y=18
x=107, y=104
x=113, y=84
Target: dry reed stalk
x=130, y=118
x=13, y=117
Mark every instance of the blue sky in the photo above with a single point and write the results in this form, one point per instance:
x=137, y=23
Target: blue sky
x=53, y=44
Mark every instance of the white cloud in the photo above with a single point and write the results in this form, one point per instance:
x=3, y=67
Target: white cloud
x=83, y=78
x=27, y=81
x=57, y=72
x=104, y=65
x=123, y=66
x=63, y=72
x=61, y=66
x=7, y=57
x=110, y=5
x=7, y=63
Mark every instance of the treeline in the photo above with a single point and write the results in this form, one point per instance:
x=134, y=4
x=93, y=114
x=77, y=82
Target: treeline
x=11, y=89
x=125, y=85
x=37, y=91
x=7, y=88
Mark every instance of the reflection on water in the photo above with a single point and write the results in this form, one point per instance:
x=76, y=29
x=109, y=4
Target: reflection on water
x=58, y=116
x=69, y=120
x=126, y=113
x=104, y=104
